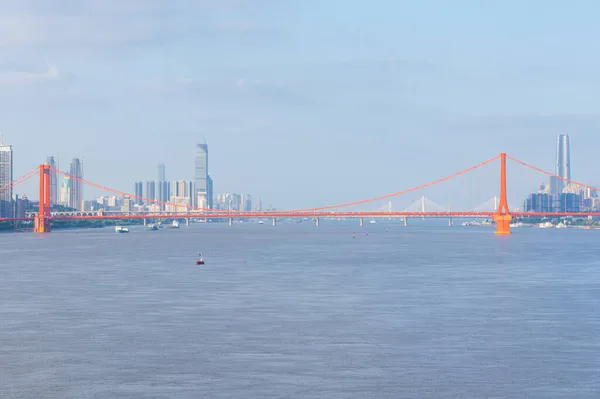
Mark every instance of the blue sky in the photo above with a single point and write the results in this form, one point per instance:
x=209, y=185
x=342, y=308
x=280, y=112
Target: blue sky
x=303, y=103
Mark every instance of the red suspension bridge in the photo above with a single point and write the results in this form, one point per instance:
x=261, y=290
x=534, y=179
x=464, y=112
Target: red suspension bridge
x=461, y=195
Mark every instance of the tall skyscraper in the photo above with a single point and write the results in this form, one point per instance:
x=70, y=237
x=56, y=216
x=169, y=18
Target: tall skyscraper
x=162, y=172
x=164, y=188
x=209, y=191
x=563, y=157
x=6, y=177
x=562, y=169
x=202, y=181
x=53, y=181
x=247, y=203
x=236, y=202
x=150, y=192
x=76, y=186
x=139, y=192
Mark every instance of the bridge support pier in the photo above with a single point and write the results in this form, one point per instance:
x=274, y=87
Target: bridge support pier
x=361, y=222
x=230, y=222
x=145, y=222
x=450, y=222
x=187, y=221
x=41, y=225
x=502, y=224
x=405, y=221
x=274, y=222
x=317, y=222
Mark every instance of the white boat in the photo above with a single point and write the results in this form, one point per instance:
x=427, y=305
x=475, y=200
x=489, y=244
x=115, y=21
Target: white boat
x=175, y=224
x=119, y=229
x=372, y=222
x=261, y=222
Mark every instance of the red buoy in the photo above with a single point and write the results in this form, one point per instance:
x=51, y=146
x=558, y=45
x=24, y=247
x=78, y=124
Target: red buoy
x=199, y=262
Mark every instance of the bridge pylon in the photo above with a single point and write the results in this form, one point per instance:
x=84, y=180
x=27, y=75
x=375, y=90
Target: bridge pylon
x=42, y=219
x=503, y=216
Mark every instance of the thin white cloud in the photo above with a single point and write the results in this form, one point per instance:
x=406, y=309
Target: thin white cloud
x=185, y=83
x=20, y=78
x=244, y=83
x=96, y=22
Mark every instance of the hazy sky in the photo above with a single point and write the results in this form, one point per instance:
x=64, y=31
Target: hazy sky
x=303, y=103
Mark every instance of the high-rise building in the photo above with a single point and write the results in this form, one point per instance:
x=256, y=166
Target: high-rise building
x=6, y=178
x=150, y=192
x=562, y=170
x=65, y=191
x=181, y=188
x=162, y=195
x=53, y=180
x=247, y=203
x=201, y=176
x=139, y=192
x=209, y=191
x=181, y=195
x=537, y=202
x=20, y=207
x=76, y=186
x=127, y=204
x=162, y=172
x=563, y=157
x=203, y=197
x=164, y=189
x=236, y=202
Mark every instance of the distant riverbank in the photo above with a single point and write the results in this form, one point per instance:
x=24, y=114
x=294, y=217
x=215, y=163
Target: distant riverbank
x=71, y=224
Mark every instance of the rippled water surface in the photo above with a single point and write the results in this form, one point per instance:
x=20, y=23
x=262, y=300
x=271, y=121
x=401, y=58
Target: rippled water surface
x=299, y=311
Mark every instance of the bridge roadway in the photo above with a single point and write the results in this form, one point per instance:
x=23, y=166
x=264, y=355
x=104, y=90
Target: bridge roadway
x=299, y=214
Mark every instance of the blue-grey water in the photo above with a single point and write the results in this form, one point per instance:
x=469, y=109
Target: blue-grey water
x=295, y=311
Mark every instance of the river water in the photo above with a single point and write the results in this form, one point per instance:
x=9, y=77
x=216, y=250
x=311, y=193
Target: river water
x=298, y=311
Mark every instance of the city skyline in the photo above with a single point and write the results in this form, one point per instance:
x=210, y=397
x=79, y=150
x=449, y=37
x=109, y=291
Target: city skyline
x=198, y=193
x=559, y=195
x=160, y=191
x=150, y=189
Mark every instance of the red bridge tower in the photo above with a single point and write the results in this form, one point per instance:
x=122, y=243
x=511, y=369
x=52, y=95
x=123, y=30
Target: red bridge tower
x=503, y=216
x=42, y=219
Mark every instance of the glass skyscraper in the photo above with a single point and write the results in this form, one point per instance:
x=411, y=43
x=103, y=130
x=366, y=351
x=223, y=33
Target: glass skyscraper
x=202, y=181
x=53, y=181
x=76, y=186
x=563, y=158
x=150, y=191
x=6, y=177
x=562, y=169
x=139, y=192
